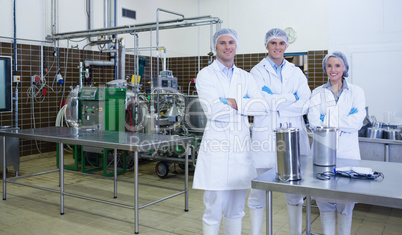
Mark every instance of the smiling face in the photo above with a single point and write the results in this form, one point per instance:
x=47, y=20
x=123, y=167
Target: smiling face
x=334, y=69
x=226, y=50
x=276, y=49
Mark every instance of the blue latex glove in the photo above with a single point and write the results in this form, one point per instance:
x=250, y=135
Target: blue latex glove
x=353, y=111
x=223, y=100
x=322, y=116
x=296, y=96
x=267, y=90
x=246, y=97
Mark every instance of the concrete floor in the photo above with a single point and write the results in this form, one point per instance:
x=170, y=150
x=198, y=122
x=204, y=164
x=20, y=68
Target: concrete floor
x=32, y=211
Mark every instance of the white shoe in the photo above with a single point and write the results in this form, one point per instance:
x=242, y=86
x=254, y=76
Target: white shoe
x=256, y=218
x=232, y=226
x=210, y=229
x=328, y=222
x=344, y=224
x=295, y=219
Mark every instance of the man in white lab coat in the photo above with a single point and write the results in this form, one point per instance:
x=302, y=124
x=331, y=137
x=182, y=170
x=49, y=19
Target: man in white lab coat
x=224, y=166
x=285, y=88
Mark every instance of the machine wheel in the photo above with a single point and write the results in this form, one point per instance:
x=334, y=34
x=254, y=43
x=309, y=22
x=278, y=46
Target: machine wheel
x=162, y=169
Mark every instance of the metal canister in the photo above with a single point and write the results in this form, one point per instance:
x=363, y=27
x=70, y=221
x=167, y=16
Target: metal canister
x=325, y=142
x=288, y=153
x=392, y=134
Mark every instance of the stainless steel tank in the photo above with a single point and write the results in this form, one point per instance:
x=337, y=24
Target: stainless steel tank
x=151, y=126
x=288, y=153
x=72, y=110
x=325, y=142
x=375, y=132
x=392, y=134
x=194, y=119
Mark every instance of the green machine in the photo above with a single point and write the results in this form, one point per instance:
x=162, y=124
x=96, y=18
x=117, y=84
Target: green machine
x=101, y=108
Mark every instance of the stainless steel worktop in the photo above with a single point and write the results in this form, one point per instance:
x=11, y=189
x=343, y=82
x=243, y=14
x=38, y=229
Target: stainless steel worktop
x=382, y=192
x=385, y=192
x=98, y=138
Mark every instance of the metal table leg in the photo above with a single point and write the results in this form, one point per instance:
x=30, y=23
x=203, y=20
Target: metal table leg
x=308, y=215
x=136, y=192
x=3, y=153
x=269, y=213
x=61, y=177
x=186, y=178
x=115, y=173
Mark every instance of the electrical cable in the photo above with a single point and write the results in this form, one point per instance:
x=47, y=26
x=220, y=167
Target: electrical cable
x=327, y=175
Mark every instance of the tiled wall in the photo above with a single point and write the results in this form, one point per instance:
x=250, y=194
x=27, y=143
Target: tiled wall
x=316, y=75
x=46, y=107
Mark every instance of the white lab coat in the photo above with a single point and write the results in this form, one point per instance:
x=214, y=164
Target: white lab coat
x=338, y=116
x=223, y=161
x=284, y=108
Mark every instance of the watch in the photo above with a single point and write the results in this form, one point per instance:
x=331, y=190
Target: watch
x=291, y=34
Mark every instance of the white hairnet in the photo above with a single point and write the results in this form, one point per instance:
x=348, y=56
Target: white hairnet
x=222, y=32
x=278, y=34
x=340, y=56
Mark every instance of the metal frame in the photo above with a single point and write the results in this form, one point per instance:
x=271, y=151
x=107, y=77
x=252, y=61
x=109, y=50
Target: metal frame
x=145, y=27
x=382, y=192
x=108, y=139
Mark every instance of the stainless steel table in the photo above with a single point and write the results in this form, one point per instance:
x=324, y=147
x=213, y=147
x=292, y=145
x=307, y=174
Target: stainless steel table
x=137, y=142
x=382, y=192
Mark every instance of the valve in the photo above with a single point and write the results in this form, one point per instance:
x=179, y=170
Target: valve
x=60, y=79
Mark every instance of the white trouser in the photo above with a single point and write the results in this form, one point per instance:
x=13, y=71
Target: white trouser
x=257, y=198
x=294, y=199
x=343, y=207
x=229, y=203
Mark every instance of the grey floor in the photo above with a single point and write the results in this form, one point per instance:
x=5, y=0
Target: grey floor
x=32, y=211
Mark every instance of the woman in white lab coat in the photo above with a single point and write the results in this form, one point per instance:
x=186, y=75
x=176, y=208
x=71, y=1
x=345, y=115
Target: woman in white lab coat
x=339, y=104
x=285, y=89
x=224, y=167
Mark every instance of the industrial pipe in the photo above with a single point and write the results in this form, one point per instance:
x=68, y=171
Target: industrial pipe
x=81, y=74
x=16, y=107
x=15, y=41
x=157, y=34
x=122, y=60
x=99, y=63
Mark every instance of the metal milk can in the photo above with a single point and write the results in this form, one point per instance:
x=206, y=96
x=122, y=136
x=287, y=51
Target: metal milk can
x=288, y=153
x=325, y=143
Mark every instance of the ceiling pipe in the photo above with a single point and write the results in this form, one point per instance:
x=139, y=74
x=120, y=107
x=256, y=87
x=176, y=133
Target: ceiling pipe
x=163, y=25
x=157, y=33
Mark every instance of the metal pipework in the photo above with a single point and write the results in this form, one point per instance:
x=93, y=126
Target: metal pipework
x=150, y=49
x=116, y=64
x=157, y=22
x=53, y=16
x=122, y=59
x=157, y=36
x=146, y=48
x=146, y=27
x=16, y=108
x=106, y=14
x=81, y=74
x=98, y=63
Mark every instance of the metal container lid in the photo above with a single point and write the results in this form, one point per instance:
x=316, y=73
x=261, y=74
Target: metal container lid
x=286, y=128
